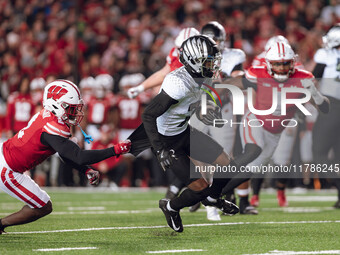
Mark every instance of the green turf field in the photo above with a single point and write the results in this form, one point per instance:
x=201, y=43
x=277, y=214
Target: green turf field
x=93, y=222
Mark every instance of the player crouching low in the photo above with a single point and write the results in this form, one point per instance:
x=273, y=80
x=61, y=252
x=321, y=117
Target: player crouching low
x=47, y=132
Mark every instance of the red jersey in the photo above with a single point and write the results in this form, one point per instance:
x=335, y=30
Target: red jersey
x=265, y=84
x=98, y=110
x=173, y=59
x=20, y=108
x=25, y=150
x=130, y=112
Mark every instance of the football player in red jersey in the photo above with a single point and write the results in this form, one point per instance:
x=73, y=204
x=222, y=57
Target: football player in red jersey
x=20, y=108
x=172, y=63
x=47, y=132
x=260, y=139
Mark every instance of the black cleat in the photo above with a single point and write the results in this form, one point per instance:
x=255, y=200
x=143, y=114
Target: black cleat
x=250, y=210
x=337, y=205
x=173, y=218
x=195, y=207
x=228, y=208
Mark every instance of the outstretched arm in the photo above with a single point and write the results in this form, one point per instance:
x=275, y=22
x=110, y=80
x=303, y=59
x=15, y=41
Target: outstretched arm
x=71, y=152
x=154, y=80
x=318, y=100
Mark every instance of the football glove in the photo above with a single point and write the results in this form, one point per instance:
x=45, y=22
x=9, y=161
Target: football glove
x=165, y=158
x=213, y=112
x=93, y=176
x=316, y=95
x=122, y=147
x=135, y=91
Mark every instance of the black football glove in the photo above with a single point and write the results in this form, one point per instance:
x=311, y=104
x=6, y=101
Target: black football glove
x=165, y=158
x=213, y=112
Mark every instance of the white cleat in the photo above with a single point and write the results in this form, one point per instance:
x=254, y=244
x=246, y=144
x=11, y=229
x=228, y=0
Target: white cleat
x=212, y=213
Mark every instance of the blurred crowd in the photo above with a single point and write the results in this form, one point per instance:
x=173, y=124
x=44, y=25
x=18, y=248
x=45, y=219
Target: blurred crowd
x=109, y=46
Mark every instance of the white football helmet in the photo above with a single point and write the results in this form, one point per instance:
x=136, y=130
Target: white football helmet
x=280, y=59
x=131, y=80
x=37, y=84
x=63, y=99
x=332, y=38
x=87, y=83
x=200, y=56
x=106, y=81
x=185, y=34
x=215, y=31
x=275, y=39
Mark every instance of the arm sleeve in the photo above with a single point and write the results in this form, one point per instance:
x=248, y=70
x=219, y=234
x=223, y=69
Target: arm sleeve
x=318, y=70
x=69, y=151
x=238, y=67
x=159, y=105
x=248, y=84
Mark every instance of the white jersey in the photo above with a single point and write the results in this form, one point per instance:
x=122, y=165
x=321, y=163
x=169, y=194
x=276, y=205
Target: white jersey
x=330, y=86
x=182, y=87
x=230, y=59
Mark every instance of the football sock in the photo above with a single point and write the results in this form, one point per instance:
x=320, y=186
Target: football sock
x=244, y=201
x=217, y=187
x=2, y=228
x=257, y=183
x=188, y=198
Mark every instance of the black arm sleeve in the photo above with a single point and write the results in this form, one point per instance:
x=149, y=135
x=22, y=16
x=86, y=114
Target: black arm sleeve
x=318, y=70
x=248, y=84
x=238, y=67
x=159, y=105
x=68, y=150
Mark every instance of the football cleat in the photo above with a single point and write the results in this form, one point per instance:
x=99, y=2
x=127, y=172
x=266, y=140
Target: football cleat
x=173, y=218
x=281, y=198
x=195, y=207
x=228, y=208
x=337, y=204
x=254, y=201
x=250, y=210
x=212, y=213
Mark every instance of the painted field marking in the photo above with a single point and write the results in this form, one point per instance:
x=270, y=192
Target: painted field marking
x=189, y=225
x=175, y=251
x=67, y=249
x=110, y=212
x=90, y=208
x=276, y=252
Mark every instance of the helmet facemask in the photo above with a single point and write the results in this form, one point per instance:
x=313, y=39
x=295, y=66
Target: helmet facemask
x=73, y=113
x=211, y=66
x=281, y=70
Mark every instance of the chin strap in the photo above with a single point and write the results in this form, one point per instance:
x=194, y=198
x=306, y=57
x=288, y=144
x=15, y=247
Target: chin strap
x=87, y=137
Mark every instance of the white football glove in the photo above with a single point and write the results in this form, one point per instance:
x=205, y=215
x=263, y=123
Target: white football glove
x=316, y=95
x=93, y=176
x=135, y=91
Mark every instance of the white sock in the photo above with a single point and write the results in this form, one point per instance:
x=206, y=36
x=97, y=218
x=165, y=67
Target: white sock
x=174, y=189
x=212, y=200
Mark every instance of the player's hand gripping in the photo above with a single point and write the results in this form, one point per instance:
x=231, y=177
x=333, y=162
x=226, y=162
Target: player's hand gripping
x=93, y=176
x=166, y=158
x=135, y=91
x=122, y=147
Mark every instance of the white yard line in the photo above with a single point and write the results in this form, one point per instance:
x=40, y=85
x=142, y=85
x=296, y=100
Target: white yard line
x=67, y=249
x=189, y=225
x=276, y=252
x=175, y=251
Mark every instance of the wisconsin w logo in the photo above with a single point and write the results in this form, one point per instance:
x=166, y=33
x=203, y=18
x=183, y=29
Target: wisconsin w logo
x=55, y=92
